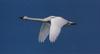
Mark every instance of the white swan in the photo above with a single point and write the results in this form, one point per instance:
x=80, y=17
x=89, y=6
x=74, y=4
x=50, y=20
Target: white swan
x=51, y=26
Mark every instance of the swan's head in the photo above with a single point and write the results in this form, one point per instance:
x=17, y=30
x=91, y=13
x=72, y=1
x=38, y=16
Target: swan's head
x=24, y=17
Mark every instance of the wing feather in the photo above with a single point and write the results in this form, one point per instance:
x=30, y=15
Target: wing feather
x=44, y=31
x=56, y=25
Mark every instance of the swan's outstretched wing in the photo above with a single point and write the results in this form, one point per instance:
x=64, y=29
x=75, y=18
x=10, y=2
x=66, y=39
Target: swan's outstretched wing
x=56, y=25
x=44, y=31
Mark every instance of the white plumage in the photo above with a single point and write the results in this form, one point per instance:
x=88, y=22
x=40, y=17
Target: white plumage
x=51, y=27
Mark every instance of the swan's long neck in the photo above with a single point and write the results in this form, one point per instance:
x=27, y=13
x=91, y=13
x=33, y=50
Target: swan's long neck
x=33, y=19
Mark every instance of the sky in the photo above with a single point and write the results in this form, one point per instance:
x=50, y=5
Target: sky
x=21, y=37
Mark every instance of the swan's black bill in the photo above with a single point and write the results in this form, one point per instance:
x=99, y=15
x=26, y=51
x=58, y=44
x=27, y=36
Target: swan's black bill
x=21, y=17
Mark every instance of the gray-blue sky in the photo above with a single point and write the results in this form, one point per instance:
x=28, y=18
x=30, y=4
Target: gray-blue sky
x=19, y=37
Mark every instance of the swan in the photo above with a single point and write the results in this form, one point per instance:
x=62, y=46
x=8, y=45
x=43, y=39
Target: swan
x=51, y=26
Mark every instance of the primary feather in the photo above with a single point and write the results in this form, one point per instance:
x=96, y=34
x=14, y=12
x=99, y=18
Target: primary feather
x=44, y=31
x=56, y=25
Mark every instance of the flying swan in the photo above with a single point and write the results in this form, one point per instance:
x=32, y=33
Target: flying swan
x=51, y=26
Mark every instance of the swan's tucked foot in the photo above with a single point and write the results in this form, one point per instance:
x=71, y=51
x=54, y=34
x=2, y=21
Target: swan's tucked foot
x=73, y=23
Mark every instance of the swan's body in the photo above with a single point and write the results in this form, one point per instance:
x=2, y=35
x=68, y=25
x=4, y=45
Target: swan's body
x=51, y=26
